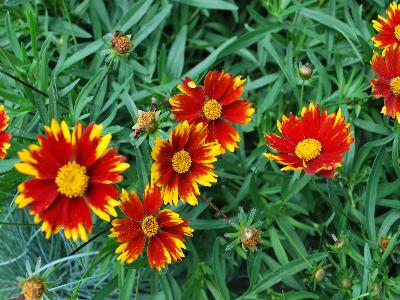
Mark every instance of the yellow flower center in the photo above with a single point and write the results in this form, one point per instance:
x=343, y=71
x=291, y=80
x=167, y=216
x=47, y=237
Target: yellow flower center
x=212, y=109
x=181, y=162
x=308, y=149
x=150, y=226
x=72, y=180
x=395, y=85
x=397, y=32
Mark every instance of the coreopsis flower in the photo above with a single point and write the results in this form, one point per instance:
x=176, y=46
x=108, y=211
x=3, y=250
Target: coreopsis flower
x=217, y=104
x=5, y=137
x=184, y=162
x=246, y=233
x=387, y=85
x=72, y=173
x=388, y=28
x=163, y=229
x=314, y=143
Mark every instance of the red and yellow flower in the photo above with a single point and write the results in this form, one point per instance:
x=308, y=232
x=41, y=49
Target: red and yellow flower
x=388, y=28
x=387, y=85
x=164, y=229
x=5, y=137
x=217, y=104
x=183, y=162
x=72, y=173
x=315, y=143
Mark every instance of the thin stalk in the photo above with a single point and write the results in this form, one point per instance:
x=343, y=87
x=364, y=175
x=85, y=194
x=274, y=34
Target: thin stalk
x=301, y=94
x=24, y=83
x=216, y=209
x=89, y=241
x=137, y=285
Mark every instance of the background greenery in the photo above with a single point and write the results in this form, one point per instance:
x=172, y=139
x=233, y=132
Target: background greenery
x=56, y=45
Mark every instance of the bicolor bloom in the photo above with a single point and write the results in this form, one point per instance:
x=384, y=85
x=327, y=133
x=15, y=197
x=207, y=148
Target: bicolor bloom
x=217, y=104
x=387, y=85
x=5, y=137
x=388, y=28
x=184, y=162
x=72, y=173
x=163, y=229
x=314, y=143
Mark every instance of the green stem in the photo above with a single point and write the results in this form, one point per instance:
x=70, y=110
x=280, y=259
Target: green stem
x=137, y=285
x=301, y=95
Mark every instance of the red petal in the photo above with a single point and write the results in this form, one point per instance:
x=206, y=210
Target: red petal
x=43, y=192
x=131, y=206
x=224, y=133
x=157, y=253
x=152, y=199
x=238, y=112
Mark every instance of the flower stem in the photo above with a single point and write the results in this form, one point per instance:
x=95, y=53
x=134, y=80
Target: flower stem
x=89, y=241
x=216, y=209
x=301, y=95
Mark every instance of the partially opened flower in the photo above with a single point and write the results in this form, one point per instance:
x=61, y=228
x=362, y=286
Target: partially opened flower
x=119, y=46
x=72, y=173
x=388, y=28
x=314, y=143
x=5, y=137
x=146, y=121
x=387, y=85
x=163, y=229
x=217, y=104
x=184, y=162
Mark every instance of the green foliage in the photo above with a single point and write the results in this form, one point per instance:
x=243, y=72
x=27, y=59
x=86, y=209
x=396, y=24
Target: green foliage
x=56, y=47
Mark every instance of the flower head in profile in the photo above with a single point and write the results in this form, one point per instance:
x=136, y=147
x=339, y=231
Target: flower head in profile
x=388, y=28
x=217, y=104
x=314, y=143
x=246, y=233
x=163, y=229
x=5, y=137
x=387, y=85
x=71, y=174
x=184, y=162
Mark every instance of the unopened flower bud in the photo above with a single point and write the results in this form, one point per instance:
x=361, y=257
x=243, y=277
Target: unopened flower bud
x=376, y=291
x=33, y=289
x=319, y=274
x=250, y=237
x=346, y=283
x=305, y=71
x=339, y=244
x=121, y=43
